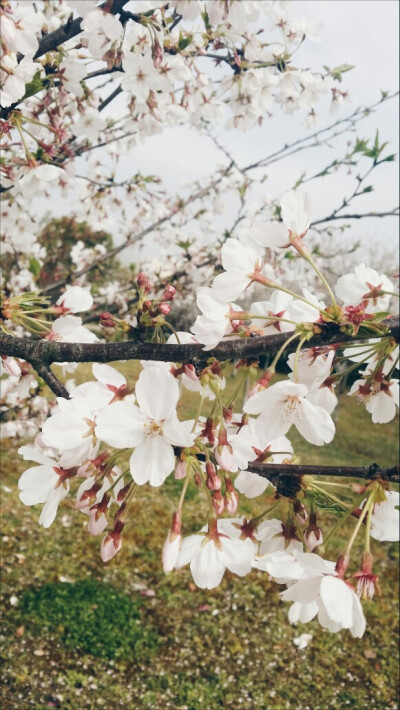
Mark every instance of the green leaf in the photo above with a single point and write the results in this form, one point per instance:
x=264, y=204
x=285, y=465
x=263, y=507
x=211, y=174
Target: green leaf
x=326, y=503
x=183, y=42
x=34, y=266
x=33, y=87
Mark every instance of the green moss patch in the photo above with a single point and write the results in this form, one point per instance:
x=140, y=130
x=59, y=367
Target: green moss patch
x=91, y=617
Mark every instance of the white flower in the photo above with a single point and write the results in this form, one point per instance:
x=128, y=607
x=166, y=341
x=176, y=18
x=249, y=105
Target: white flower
x=240, y=261
x=313, y=370
x=295, y=212
x=40, y=177
x=110, y=386
x=15, y=79
x=364, y=285
x=71, y=430
x=152, y=427
x=275, y=536
x=337, y=605
x=140, y=76
x=210, y=554
x=385, y=519
x=69, y=329
x=287, y=567
x=284, y=404
x=100, y=29
x=75, y=299
x=170, y=551
x=215, y=322
x=302, y=312
x=381, y=397
x=273, y=310
x=90, y=124
x=9, y=365
x=47, y=483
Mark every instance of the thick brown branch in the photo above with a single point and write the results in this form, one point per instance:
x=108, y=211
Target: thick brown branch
x=276, y=472
x=47, y=352
x=50, y=379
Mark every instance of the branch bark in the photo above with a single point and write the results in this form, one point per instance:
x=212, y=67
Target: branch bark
x=62, y=34
x=47, y=352
x=277, y=472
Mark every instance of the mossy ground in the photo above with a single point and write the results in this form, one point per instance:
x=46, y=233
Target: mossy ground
x=86, y=635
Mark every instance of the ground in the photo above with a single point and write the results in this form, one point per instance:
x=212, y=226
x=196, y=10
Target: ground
x=79, y=634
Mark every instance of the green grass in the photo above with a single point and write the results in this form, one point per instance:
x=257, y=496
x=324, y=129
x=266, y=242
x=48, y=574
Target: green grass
x=124, y=635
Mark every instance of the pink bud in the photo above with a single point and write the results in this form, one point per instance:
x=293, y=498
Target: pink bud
x=11, y=366
x=180, y=470
x=169, y=293
x=143, y=282
x=231, y=502
x=107, y=320
x=164, y=308
x=97, y=523
x=110, y=546
x=313, y=538
x=218, y=502
x=300, y=512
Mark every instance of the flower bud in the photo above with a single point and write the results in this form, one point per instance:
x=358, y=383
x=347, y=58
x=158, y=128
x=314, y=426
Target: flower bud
x=107, y=320
x=11, y=366
x=143, y=282
x=224, y=457
x=110, y=546
x=313, y=535
x=164, y=308
x=218, y=502
x=213, y=481
x=300, y=512
x=169, y=293
x=342, y=565
x=97, y=522
x=180, y=470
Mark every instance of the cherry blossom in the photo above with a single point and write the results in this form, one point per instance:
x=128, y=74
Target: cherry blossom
x=47, y=483
x=286, y=403
x=381, y=397
x=75, y=299
x=152, y=427
x=71, y=429
x=211, y=553
x=337, y=605
x=365, y=285
x=385, y=518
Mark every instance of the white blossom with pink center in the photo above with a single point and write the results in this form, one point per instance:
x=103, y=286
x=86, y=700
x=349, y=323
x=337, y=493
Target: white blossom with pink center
x=152, y=428
x=286, y=403
x=47, y=483
x=210, y=554
x=365, y=284
x=110, y=387
x=71, y=430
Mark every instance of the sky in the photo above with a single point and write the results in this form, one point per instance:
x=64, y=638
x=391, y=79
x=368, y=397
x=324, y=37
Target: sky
x=359, y=32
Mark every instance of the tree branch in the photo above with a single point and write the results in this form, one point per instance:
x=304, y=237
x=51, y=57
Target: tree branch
x=53, y=40
x=50, y=379
x=47, y=352
x=276, y=473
